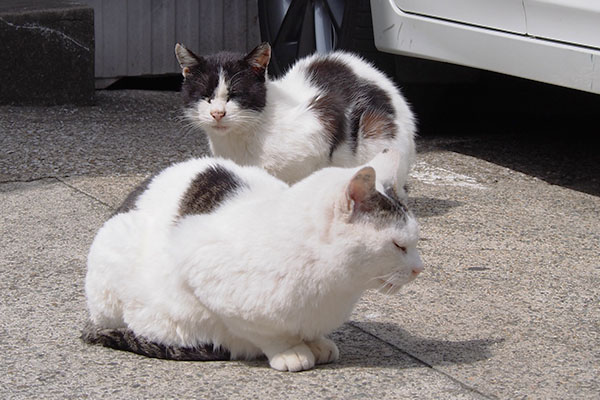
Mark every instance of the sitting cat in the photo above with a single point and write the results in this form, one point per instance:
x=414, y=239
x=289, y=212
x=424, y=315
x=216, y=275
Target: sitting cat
x=327, y=110
x=210, y=260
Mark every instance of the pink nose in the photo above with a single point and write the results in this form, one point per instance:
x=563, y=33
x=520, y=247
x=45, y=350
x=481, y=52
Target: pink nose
x=218, y=114
x=416, y=271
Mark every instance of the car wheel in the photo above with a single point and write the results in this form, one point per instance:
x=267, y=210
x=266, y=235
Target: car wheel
x=297, y=28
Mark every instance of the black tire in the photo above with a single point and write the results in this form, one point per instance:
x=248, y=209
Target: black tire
x=357, y=36
x=297, y=28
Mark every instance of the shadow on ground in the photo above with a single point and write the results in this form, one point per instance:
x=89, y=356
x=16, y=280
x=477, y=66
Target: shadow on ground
x=428, y=352
x=358, y=348
x=540, y=130
x=424, y=207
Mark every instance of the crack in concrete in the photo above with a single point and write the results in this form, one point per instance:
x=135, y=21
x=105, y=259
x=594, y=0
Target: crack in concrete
x=62, y=181
x=41, y=178
x=45, y=31
x=91, y=196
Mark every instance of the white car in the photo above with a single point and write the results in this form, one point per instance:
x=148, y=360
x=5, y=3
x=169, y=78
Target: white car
x=552, y=41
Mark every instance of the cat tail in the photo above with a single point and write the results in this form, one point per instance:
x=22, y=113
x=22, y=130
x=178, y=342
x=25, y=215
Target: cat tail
x=124, y=339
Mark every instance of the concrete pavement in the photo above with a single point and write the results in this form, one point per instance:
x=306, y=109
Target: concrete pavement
x=508, y=307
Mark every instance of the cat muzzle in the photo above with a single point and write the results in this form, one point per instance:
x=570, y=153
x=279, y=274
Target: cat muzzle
x=217, y=114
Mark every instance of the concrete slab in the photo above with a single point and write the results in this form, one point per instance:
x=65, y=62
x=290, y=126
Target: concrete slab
x=507, y=308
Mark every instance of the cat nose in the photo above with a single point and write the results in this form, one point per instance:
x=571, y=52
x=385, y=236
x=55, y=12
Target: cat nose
x=217, y=114
x=417, y=270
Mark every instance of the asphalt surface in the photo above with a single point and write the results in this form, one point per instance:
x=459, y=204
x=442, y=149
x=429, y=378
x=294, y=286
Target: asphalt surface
x=508, y=306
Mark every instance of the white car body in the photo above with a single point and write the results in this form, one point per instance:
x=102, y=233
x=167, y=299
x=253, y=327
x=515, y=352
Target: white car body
x=552, y=41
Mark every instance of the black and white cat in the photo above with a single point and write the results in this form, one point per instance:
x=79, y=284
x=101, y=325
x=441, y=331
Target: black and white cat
x=210, y=260
x=327, y=110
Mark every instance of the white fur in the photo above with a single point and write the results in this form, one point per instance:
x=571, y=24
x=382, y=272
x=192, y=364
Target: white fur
x=271, y=271
x=287, y=138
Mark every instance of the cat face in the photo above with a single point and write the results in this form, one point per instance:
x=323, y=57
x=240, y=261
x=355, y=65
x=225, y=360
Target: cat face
x=381, y=231
x=226, y=91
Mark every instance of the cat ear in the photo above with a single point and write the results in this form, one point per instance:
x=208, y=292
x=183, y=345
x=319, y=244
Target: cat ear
x=360, y=189
x=186, y=58
x=259, y=57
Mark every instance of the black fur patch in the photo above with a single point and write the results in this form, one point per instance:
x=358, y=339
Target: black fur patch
x=208, y=190
x=330, y=110
x=129, y=202
x=246, y=85
x=124, y=339
x=348, y=95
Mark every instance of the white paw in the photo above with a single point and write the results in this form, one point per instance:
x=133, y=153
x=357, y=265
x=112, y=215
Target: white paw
x=325, y=350
x=298, y=358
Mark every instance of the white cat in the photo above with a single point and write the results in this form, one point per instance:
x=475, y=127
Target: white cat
x=210, y=260
x=327, y=110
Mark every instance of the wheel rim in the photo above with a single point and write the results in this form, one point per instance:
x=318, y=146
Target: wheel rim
x=297, y=28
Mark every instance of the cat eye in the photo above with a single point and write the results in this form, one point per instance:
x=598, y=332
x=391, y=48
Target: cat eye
x=402, y=248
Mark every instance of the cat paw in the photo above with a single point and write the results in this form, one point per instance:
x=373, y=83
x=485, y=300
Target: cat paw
x=325, y=350
x=297, y=358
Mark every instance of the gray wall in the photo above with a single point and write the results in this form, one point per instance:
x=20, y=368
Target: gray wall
x=137, y=37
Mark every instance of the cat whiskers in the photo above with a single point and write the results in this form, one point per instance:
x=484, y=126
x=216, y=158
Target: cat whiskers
x=383, y=280
x=187, y=125
x=388, y=282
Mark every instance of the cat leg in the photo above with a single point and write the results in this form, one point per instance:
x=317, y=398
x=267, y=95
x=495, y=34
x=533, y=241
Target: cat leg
x=285, y=355
x=294, y=359
x=325, y=350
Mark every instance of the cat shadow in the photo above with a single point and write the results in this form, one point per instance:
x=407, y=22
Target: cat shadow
x=406, y=350
x=424, y=207
x=365, y=344
x=368, y=345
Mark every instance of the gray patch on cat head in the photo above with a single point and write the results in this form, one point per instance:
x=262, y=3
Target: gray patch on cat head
x=130, y=201
x=208, y=190
x=385, y=207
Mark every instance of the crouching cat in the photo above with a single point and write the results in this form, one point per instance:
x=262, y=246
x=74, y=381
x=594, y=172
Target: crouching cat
x=209, y=260
x=327, y=110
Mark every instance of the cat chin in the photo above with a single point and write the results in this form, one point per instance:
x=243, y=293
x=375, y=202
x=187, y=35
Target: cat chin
x=390, y=288
x=218, y=130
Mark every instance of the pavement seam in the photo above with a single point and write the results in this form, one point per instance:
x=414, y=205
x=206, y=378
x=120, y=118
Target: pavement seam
x=41, y=178
x=84, y=193
x=417, y=359
x=60, y=180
